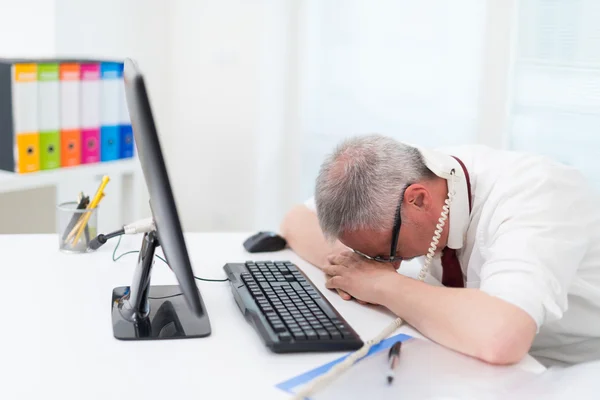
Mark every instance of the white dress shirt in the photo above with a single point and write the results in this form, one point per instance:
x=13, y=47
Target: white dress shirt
x=533, y=240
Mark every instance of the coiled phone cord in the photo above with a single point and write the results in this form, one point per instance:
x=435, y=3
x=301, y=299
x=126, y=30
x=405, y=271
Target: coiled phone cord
x=340, y=368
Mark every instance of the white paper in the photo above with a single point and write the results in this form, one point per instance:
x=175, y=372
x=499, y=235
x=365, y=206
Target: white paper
x=580, y=381
x=426, y=370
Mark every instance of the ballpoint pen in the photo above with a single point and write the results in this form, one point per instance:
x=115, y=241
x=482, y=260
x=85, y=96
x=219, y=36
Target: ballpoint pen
x=393, y=357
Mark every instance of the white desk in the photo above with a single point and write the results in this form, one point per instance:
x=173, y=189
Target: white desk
x=56, y=335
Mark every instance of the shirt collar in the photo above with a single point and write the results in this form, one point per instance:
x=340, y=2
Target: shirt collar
x=442, y=164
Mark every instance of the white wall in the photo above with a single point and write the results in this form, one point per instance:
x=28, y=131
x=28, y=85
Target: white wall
x=27, y=27
x=228, y=103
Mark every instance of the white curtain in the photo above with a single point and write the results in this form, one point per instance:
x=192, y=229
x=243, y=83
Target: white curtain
x=408, y=69
x=555, y=107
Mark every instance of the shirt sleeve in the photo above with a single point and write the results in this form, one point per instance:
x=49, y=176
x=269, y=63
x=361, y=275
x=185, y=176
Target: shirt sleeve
x=310, y=204
x=537, y=237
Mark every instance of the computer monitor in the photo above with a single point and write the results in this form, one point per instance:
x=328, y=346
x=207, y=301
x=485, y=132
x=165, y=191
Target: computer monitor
x=144, y=311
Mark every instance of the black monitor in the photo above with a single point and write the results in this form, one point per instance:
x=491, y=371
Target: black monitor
x=144, y=311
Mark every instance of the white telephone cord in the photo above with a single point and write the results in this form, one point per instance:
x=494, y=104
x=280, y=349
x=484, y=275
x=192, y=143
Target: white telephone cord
x=340, y=368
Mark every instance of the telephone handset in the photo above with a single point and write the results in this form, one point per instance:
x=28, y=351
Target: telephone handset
x=445, y=167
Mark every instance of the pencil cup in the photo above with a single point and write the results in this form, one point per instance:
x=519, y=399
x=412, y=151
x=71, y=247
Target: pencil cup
x=75, y=227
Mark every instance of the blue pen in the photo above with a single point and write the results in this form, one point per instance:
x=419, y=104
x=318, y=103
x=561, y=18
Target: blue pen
x=393, y=357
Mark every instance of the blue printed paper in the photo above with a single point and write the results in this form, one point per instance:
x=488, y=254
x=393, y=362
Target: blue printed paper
x=304, y=378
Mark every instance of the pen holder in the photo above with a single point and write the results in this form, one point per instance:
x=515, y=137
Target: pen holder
x=75, y=227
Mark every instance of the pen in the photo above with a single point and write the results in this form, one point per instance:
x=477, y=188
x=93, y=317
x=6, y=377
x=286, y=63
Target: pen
x=92, y=205
x=80, y=206
x=393, y=357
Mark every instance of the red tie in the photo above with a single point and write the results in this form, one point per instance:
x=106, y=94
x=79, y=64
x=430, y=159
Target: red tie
x=452, y=275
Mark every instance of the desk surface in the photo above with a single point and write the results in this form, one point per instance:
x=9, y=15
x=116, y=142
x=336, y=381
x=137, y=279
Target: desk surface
x=56, y=335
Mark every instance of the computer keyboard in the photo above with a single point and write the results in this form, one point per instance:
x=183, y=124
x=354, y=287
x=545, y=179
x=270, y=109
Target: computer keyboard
x=287, y=310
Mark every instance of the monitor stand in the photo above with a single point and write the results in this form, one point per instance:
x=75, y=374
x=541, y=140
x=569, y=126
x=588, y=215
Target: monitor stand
x=145, y=312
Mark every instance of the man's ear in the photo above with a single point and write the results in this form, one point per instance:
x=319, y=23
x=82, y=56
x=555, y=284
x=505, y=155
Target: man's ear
x=417, y=196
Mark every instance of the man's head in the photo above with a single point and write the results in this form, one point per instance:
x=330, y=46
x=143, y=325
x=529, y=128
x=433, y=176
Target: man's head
x=360, y=187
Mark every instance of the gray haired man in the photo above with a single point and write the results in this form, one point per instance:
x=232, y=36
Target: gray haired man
x=517, y=262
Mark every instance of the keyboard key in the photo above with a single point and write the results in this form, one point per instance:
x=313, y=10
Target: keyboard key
x=322, y=334
x=285, y=337
x=299, y=335
x=279, y=328
x=311, y=334
x=289, y=278
x=346, y=333
x=336, y=335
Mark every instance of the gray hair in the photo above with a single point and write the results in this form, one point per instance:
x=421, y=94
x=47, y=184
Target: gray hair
x=360, y=183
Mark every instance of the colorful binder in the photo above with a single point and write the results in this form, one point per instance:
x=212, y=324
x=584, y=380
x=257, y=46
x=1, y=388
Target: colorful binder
x=48, y=115
x=90, y=113
x=19, y=133
x=126, y=132
x=70, y=132
x=61, y=113
x=111, y=74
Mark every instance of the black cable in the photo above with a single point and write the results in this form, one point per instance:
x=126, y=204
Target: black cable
x=160, y=258
x=165, y=297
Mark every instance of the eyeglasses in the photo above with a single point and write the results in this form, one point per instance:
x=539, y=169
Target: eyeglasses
x=395, y=233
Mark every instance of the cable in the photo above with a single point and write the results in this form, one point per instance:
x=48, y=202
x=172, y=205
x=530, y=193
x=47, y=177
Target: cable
x=115, y=258
x=165, y=297
x=340, y=368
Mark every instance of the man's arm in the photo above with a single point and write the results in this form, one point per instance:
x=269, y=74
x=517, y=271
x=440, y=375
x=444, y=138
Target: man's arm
x=467, y=320
x=300, y=228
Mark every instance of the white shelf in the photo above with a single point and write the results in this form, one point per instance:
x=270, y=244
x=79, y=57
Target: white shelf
x=12, y=182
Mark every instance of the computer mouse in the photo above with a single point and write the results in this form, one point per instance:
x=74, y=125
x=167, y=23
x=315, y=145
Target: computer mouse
x=263, y=242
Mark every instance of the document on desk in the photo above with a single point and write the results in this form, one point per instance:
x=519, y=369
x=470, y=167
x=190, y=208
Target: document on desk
x=579, y=381
x=425, y=370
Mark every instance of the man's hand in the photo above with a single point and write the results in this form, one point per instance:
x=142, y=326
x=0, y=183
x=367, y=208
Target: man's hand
x=356, y=276
x=342, y=294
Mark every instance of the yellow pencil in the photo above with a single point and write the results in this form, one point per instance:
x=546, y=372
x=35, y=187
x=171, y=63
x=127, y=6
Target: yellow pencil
x=93, y=204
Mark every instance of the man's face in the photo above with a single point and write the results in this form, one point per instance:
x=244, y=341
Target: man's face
x=421, y=211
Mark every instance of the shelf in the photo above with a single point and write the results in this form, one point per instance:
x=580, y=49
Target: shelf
x=12, y=182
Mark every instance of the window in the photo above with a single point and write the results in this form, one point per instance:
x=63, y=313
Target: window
x=555, y=107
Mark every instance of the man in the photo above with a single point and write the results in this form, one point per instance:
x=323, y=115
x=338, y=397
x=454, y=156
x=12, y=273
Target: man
x=519, y=254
